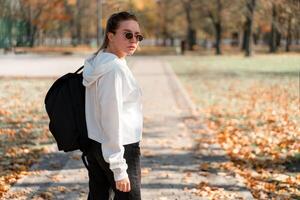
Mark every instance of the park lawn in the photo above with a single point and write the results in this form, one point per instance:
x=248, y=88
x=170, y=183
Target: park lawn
x=24, y=131
x=252, y=105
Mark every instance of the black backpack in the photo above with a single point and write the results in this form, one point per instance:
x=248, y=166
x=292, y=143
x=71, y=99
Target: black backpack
x=65, y=106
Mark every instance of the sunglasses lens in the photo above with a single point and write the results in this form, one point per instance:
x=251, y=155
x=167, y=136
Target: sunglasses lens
x=139, y=37
x=129, y=35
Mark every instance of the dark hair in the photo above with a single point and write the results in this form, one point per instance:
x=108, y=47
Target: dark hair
x=113, y=24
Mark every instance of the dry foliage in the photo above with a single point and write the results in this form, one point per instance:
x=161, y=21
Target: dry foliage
x=23, y=127
x=257, y=123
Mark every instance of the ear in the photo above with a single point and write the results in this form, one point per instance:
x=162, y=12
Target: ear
x=110, y=36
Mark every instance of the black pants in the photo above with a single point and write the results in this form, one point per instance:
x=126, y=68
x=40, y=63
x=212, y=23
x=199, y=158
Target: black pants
x=101, y=178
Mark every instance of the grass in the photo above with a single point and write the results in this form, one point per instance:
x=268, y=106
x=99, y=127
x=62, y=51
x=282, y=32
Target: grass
x=223, y=72
x=252, y=106
x=257, y=63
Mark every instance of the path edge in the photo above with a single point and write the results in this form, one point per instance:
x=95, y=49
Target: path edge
x=195, y=113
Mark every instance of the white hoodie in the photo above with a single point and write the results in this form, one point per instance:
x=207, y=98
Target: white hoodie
x=113, y=108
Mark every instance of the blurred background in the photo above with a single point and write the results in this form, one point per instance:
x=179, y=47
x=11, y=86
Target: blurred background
x=239, y=61
x=172, y=26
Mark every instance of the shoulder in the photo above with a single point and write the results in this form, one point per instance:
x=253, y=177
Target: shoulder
x=116, y=67
x=115, y=72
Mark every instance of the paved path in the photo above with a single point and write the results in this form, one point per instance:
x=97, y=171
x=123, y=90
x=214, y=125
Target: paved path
x=170, y=165
x=167, y=145
x=38, y=65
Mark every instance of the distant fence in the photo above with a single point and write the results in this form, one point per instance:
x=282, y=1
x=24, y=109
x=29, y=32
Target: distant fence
x=13, y=33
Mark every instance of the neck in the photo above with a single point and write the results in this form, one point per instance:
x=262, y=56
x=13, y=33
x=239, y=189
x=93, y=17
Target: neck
x=113, y=50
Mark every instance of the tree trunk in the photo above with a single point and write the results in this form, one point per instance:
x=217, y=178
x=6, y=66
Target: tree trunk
x=43, y=38
x=70, y=11
x=273, y=37
x=249, y=25
x=257, y=36
x=297, y=37
x=165, y=32
x=32, y=35
x=234, y=39
x=218, y=28
x=99, y=18
x=278, y=39
x=73, y=32
x=189, y=39
x=78, y=22
x=165, y=35
x=172, y=41
x=245, y=38
x=289, y=34
x=157, y=39
x=188, y=9
x=192, y=38
x=31, y=27
x=61, y=36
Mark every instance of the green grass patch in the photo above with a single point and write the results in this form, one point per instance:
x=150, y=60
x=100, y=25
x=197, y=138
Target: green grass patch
x=262, y=63
x=222, y=73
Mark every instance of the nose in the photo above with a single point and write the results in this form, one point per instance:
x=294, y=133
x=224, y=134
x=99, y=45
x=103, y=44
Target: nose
x=133, y=40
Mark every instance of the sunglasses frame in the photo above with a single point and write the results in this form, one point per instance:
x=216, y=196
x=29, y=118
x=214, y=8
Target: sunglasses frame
x=130, y=35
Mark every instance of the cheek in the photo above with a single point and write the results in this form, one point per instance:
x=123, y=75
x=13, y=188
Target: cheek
x=124, y=45
x=121, y=43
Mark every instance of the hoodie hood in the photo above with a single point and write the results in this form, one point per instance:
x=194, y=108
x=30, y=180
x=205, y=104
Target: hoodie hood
x=97, y=65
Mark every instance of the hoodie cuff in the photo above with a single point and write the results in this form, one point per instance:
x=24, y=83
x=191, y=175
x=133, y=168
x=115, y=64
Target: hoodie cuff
x=120, y=176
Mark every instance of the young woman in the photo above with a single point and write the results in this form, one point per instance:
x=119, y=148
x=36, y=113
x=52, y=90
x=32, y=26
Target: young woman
x=114, y=113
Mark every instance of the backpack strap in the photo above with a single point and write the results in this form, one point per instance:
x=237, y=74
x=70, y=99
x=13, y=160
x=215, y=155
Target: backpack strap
x=79, y=69
x=84, y=159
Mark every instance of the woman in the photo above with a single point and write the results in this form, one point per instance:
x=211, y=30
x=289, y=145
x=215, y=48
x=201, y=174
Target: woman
x=114, y=113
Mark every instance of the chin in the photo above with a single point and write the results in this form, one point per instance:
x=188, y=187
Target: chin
x=130, y=53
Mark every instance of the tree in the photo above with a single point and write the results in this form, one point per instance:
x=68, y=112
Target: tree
x=5, y=24
x=191, y=32
x=216, y=18
x=167, y=13
x=289, y=34
x=274, y=30
x=291, y=15
x=42, y=16
x=250, y=4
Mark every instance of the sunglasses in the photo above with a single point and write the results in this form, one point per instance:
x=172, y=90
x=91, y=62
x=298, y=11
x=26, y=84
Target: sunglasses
x=129, y=36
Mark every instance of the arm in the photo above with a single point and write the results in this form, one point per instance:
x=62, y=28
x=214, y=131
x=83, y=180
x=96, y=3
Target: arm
x=111, y=104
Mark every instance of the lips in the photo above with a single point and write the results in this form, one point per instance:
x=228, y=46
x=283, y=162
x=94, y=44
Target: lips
x=131, y=47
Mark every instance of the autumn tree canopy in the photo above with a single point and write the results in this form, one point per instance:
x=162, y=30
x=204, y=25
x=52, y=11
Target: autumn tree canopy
x=271, y=22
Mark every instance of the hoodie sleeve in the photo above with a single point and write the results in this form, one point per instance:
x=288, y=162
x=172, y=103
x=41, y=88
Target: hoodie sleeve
x=111, y=104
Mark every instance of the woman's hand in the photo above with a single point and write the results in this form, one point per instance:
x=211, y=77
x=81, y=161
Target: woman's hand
x=123, y=185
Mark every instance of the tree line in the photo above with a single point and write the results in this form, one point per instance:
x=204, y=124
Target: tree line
x=31, y=22
x=270, y=21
